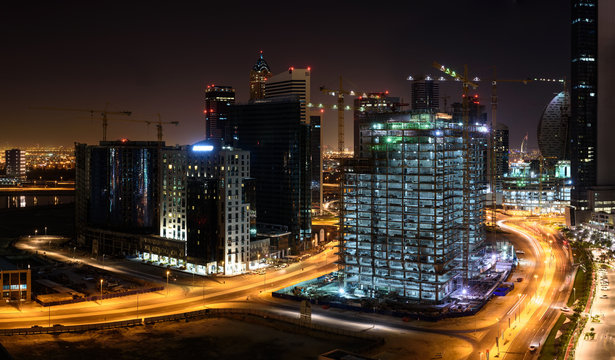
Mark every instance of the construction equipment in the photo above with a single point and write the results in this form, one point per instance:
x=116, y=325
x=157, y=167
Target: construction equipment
x=158, y=123
x=104, y=113
x=340, y=110
x=466, y=83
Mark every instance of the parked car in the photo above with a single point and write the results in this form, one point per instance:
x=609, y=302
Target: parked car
x=519, y=279
x=565, y=309
x=533, y=347
x=603, y=296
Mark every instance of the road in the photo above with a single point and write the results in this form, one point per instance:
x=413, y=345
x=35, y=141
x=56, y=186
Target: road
x=558, y=262
x=190, y=293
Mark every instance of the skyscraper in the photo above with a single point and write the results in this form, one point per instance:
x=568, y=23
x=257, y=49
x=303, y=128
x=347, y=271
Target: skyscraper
x=425, y=94
x=402, y=217
x=606, y=93
x=279, y=145
x=552, y=129
x=258, y=76
x=294, y=82
x=15, y=162
x=218, y=216
x=316, y=153
x=583, y=100
x=217, y=101
x=501, y=153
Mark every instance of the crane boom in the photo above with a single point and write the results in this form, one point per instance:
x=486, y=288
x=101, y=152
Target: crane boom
x=103, y=114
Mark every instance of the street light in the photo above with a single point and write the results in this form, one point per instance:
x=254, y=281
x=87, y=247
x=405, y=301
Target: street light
x=168, y=282
x=45, y=230
x=101, y=282
x=574, y=295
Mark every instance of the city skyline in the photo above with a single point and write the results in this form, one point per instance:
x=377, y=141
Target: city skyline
x=159, y=60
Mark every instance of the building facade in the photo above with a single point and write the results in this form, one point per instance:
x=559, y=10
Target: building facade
x=425, y=94
x=217, y=101
x=15, y=162
x=501, y=149
x=583, y=100
x=402, y=213
x=553, y=129
x=365, y=108
x=292, y=83
x=258, y=76
x=218, y=216
x=279, y=144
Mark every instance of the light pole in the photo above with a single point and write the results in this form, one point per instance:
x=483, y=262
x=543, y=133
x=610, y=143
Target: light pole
x=101, y=282
x=45, y=230
x=35, y=232
x=168, y=282
x=49, y=316
x=103, y=262
x=137, y=305
x=574, y=295
x=497, y=341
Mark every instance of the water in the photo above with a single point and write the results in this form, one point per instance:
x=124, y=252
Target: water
x=23, y=201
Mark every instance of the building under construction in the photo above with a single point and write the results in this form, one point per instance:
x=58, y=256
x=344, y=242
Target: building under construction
x=402, y=219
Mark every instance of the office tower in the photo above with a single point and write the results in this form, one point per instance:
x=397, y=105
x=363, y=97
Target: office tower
x=278, y=140
x=294, y=82
x=218, y=216
x=425, y=94
x=552, y=129
x=476, y=111
x=172, y=215
x=366, y=106
x=501, y=149
x=15, y=162
x=606, y=93
x=124, y=186
x=217, y=101
x=402, y=218
x=258, y=76
x=583, y=100
x=316, y=154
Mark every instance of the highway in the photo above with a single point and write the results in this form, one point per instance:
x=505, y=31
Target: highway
x=550, y=280
x=548, y=307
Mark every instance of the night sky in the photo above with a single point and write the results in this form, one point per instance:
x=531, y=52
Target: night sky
x=151, y=58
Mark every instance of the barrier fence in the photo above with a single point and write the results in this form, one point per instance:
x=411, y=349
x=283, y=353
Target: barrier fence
x=193, y=315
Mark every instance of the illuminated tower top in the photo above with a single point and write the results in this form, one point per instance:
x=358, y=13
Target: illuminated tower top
x=258, y=75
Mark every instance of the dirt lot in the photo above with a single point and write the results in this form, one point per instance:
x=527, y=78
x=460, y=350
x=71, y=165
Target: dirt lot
x=202, y=339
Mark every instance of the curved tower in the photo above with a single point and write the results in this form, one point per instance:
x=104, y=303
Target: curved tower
x=552, y=128
x=258, y=75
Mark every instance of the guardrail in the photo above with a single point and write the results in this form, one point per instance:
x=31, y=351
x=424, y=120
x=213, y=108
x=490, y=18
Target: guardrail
x=193, y=315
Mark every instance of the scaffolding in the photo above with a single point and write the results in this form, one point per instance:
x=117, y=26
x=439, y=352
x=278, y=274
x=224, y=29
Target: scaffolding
x=402, y=218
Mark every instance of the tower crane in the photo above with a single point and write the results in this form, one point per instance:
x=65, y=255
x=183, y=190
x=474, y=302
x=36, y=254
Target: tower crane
x=466, y=83
x=341, y=92
x=103, y=113
x=158, y=123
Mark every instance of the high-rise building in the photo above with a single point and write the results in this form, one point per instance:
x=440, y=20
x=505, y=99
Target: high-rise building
x=15, y=162
x=218, y=216
x=294, y=82
x=476, y=111
x=316, y=146
x=258, y=76
x=172, y=214
x=425, y=94
x=552, y=129
x=217, y=101
x=583, y=100
x=501, y=148
x=278, y=139
x=402, y=209
x=606, y=93
x=365, y=108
